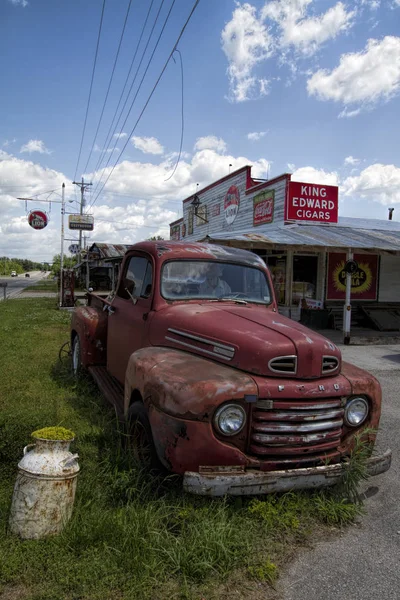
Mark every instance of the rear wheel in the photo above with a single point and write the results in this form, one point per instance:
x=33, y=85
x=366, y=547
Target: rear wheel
x=140, y=438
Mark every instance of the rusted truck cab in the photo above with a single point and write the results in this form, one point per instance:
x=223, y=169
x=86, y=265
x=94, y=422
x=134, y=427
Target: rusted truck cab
x=233, y=396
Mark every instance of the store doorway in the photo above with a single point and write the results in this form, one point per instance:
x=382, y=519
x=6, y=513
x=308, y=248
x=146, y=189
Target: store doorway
x=305, y=272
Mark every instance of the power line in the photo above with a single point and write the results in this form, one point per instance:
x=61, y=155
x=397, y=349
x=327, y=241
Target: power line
x=108, y=139
x=90, y=89
x=182, y=120
x=151, y=94
x=141, y=82
x=109, y=84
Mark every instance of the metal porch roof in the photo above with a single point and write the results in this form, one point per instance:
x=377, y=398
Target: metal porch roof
x=362, y=234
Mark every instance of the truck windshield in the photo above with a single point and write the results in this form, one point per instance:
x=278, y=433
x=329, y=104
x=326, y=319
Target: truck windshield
x=184, y=280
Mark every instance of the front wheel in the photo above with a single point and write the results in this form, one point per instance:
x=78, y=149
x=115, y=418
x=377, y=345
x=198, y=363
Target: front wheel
x=76, y=357
x=140, y=438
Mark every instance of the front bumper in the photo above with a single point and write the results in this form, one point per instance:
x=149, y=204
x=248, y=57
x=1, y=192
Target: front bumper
x=236, y=481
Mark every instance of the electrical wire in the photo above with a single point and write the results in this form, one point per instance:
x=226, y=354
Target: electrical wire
x=109, y=84
x=90, y=89
x=182, y=119
x=108, y=139
x=151, y=94
x=141, y=82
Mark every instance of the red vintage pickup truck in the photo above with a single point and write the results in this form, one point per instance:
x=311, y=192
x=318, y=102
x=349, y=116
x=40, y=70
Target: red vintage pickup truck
x=228, y=393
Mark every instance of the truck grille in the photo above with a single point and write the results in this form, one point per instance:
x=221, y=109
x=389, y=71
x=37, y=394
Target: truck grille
x=284, y=364
x=329, y=364
x=295, y=432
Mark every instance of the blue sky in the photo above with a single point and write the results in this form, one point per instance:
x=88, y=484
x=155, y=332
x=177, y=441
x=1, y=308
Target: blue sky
x=305, y=86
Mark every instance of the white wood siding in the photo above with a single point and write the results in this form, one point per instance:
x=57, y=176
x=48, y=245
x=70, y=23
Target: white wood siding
x=214, y=197
x=389, y=279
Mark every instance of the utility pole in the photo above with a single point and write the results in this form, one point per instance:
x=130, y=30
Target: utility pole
x=83, y=185
x=62, y=243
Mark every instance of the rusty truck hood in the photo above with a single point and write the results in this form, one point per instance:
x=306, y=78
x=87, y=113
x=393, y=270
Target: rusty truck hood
x=247, y=337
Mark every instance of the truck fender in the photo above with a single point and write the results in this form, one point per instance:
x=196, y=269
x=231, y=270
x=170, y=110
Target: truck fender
x=184, y=385
x=91, y=326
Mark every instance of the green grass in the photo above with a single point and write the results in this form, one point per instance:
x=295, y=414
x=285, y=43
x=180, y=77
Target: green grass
x=43, y=285
x=131, y=536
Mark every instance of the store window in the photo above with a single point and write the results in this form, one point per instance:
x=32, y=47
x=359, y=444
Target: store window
x=305, y=269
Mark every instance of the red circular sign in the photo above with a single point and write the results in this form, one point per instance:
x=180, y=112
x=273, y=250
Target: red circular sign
x=231, y=204
x=38, y=219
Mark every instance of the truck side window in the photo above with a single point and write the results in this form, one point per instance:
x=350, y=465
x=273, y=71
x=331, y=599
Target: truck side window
x=136, y=279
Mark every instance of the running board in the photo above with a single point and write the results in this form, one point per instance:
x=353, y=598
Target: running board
x=111, y=389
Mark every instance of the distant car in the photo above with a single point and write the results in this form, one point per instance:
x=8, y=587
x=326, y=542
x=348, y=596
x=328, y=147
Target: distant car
x=27, y=275
x=14, y=274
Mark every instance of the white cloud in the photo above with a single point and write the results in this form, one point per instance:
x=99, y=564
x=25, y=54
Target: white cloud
x=7, y=143
x=136, y=203
x=22, y=3
x=305, y=33
x=362, y=78
x=120, y=136
x=282, y=28
x=313, y=175
x=35, y=146
x=147, y=145
x=377, y=182
x=246, y=42
x=210, y=142
x=350, y=160
x=256, y=135
x=96, y=148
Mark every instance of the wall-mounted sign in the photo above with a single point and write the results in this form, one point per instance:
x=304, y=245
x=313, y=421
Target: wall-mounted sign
x=175, y=232
x=38, y=219
x=231, y=204
x=215, y=209
x=364, y=280
x=263, y=207
x=74, y=248
x=311, y=202
x=201, y=215
x=82, y=222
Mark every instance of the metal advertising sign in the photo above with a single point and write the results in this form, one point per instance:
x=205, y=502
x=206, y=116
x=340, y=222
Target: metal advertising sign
x=175, y=232
x=231, y=204
x=263, y=207
x=311, y=202
x=38, y=219
x=81, y=222
x=364, y=279
x=74, y=248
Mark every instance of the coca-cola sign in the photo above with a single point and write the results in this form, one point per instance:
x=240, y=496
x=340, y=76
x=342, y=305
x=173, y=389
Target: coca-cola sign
x=263, y=211
x=231, y=204
x=38, y=219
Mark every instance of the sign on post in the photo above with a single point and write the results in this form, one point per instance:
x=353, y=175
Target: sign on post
x=81, y=222
x=38, y=219
x=312, y=202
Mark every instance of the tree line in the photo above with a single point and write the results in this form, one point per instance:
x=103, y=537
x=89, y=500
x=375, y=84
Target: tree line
x=20, y=265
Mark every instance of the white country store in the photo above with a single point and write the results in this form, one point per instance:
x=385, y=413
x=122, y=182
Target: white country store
x=295, y=227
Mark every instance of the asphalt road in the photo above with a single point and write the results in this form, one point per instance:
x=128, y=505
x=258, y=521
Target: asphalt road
x=15, y=285
x=362, y=562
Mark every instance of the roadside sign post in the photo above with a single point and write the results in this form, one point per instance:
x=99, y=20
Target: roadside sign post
x=4, y=286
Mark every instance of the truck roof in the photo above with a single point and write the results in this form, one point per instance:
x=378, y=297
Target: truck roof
x=192, y=250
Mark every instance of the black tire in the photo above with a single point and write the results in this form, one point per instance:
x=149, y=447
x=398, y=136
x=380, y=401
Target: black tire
x=77, y=368
x=140, y=438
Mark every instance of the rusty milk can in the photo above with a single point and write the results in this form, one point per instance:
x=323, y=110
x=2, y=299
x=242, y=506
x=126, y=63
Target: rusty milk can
x=45, y=488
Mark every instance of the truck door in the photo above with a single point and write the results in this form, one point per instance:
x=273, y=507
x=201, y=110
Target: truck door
x=128, y=314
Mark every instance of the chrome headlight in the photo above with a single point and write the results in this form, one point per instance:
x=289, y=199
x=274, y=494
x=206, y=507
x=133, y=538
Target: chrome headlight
x=229, y=419
x=356, y=411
